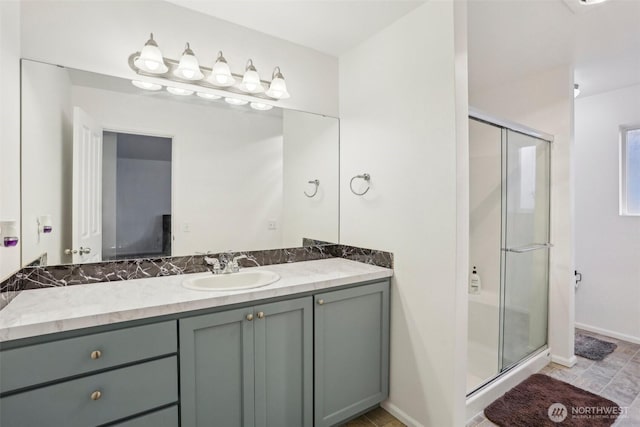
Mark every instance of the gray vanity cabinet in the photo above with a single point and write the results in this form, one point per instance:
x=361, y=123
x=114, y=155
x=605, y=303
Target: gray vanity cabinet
x=248, y=367
x=91, y=380
x=351, y=351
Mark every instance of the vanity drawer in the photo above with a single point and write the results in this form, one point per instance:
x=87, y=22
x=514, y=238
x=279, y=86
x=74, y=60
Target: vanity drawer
x=42, y=363
x=122, y=392
x=167, y=417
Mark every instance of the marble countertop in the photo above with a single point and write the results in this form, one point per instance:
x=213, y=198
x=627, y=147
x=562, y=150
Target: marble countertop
x=44, y=311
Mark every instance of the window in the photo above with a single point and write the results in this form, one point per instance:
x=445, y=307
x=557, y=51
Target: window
x=630, y=171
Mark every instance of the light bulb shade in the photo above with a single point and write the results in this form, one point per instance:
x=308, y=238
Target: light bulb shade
x=260, y=106
x=150, y=59
x=278, y=89
x=221, y=73
x=179, y=91
x=188, y=68
x=146, y=85
x=236, y=101
x=251, y=80
x=208, y=95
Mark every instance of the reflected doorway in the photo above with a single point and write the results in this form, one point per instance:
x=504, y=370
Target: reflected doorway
x=136, y=196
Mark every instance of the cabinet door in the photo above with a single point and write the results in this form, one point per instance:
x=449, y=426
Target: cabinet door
x=351, y=351
x=216, y=369
x=284, y=364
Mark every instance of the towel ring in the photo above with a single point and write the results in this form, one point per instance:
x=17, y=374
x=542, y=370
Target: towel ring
x=317, y=184
x=364, y=176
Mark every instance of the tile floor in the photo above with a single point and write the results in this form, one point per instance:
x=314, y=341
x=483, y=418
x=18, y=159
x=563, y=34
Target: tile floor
x=375, y=418
x=617, y=377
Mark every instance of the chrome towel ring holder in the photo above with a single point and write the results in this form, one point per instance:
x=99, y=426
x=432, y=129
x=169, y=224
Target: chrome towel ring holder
x=316, y=182
x=364, y=176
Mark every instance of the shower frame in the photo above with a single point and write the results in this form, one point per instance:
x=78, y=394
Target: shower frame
x=505, y=126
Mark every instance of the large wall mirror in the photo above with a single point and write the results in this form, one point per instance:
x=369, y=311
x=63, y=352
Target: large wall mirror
x=111, y=171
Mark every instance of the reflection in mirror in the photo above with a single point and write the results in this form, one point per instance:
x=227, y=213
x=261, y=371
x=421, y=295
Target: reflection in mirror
x=121, y=172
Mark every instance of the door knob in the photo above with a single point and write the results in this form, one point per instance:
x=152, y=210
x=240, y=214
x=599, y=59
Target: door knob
x=84, y=251
x=70, y=252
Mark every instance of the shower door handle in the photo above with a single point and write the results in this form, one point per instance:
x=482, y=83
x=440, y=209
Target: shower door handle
x=529, y=248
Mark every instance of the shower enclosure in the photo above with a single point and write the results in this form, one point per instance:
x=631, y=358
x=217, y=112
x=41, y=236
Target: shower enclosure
x=509, y=246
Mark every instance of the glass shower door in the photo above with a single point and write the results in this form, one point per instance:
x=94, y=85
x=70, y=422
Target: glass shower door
x=525, y=247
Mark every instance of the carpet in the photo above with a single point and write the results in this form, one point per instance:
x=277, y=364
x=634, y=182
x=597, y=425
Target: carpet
x=542, y=401
x=592, y=348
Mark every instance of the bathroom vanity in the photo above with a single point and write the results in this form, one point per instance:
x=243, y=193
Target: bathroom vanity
x=310, y=349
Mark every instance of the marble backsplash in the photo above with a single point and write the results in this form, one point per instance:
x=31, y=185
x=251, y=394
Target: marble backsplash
x=76, y=274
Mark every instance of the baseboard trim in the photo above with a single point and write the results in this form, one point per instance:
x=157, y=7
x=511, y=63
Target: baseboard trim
x=400, y=414
x=606, y=332
x=569, y=363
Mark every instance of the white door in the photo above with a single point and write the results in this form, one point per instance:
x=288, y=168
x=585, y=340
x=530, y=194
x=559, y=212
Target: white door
x=87, y=189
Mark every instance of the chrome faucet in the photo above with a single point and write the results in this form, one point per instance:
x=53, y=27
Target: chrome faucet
x=226, y=264
x=232, y=266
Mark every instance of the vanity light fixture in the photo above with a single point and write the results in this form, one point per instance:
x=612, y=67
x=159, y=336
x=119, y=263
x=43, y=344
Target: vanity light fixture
x=188, y=68
x=221, y=73
x=146, y=85
x=261, y=106
x=278, y=87
x=208, y=95
x=235, y=101
x=179, y=91
x=590, y=2
x=150, y=63
x=150, y=59
x=251, y=79
x=576, y=90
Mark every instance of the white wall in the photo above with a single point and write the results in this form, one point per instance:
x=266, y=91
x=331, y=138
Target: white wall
x=398, y=122
x=109, y=183
x=311, y=151
x=607, y=244
x=99, y=36
x=545, y=102
x=47, y=130
x=9, y=127
x=227, y=166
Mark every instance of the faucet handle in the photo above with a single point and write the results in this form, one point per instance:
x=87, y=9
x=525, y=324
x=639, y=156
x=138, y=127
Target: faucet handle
x=213, y=262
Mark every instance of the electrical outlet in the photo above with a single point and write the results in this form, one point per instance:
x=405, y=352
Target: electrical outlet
x=272, y=225
x=186, y=227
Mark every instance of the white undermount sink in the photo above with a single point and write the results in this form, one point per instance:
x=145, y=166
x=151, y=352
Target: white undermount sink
x=232, y=282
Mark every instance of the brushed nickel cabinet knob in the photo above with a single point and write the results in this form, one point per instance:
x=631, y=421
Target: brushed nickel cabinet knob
x=96, y=354
x=249, y=317
x=260, y=315
x=320, y=302
x=96, y=395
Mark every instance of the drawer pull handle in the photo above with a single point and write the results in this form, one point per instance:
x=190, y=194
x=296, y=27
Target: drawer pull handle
x=320, y=302
x=96, y=395
x=249, y=317
x=260, y=315
x=97, y=354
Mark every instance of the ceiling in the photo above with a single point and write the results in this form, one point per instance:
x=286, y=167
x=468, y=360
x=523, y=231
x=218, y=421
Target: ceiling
x=511, y=39
x=508, y=39
x=330, y=26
